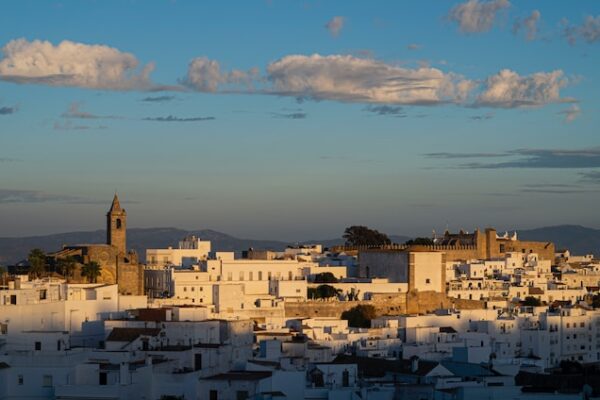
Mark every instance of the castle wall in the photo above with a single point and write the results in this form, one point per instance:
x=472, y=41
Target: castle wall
x=414, y=302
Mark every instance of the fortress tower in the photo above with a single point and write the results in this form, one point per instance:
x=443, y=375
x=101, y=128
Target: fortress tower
x=116, y=227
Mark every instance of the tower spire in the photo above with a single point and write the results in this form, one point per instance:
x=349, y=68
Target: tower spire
x=116, y=226
x=116, y=205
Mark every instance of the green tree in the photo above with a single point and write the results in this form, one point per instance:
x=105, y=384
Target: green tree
x=91, y=271
x=360, y=316
x=37, y=263
x=322, y=292
x=325, y=277
x=420, y=241
x=66, y=266
x=532, y=301
x=357, y=235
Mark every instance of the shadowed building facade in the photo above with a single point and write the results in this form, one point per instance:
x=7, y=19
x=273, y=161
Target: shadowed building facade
x=118, y=264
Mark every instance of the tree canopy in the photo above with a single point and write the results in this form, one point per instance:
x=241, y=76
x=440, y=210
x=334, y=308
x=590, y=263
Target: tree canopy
x=37, y=263
x=66, y=266
x=91, y=271
x=325, y=277
x=532, y=301
x=360, y=316
x=323, y=292
x=363, y=236
x=420, y=241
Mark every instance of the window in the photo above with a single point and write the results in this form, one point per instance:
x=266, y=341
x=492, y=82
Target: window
x=47, y=381
x=250, y=276
x=260, y=275
x=241, y=395
x=229, y=276
x=102, y=379
x=119, y=224
x=290, y=275
x=428, y=281
x=38, y=345
x=241, y=275
x=20, y=380
x=213, y=395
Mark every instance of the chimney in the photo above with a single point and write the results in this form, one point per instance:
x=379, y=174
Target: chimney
x=414, y=364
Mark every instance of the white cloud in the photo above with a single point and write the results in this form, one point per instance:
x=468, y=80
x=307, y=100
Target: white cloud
x=474, y=16
x=205, y=75
x=530, y=24
x=72, y=64
x=347, y=78
x=508, y=89
x=571, y=113
x=335, y=25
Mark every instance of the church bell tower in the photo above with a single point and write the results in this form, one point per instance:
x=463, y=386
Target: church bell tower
x=116, y=226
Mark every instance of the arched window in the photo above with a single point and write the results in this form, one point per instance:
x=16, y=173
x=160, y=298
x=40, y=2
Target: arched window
x=118, y=223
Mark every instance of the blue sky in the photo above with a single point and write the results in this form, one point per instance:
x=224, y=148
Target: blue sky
x=293, y=120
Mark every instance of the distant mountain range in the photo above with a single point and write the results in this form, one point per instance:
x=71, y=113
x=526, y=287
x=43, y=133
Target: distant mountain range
x=579, y=239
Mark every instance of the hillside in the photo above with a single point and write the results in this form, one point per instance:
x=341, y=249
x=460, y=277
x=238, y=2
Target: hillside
x=579, y=239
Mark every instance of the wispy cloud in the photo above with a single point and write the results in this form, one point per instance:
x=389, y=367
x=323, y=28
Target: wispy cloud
x=68, y=125
x=37, y=196
x=588, y=31
x=571, y=113
x=558, y=191
x=396, y=111
x=534, y=158
x=590, y=177
x=9, y=159
x=482, y=117
x=8, y=110
x=551, y=185
x=476, y=16
x=292, y=115
x=335, y=25
x=158, y=99
x=75, y=112
x=450, y=156
x=171, y=118
x=414, y=46
x=529, y=25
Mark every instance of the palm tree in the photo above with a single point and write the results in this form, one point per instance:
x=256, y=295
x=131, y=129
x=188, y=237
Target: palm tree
x=91, y=271
x=66, y=266
x=37, y=263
